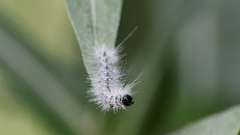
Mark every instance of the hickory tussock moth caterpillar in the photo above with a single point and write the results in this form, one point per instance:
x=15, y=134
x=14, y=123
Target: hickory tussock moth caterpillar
x=108, y=90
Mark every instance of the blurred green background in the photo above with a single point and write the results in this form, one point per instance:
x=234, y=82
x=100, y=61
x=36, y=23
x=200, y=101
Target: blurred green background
x=188, y=51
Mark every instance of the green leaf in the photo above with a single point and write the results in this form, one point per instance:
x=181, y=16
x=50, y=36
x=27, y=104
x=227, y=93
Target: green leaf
x=95, y=22
x=51, y=91
x=226, y=123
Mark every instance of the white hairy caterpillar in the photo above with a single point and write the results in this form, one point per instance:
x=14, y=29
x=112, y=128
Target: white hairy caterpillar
x=108, y=90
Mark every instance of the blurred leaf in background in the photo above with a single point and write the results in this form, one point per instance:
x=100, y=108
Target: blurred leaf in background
x=188, y=50
x=226, y=123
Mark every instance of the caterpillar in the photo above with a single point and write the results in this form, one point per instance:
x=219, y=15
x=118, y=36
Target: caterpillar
x=108, y=89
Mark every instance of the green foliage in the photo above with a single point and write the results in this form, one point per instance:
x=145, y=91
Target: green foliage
x=226, y=123
x=95, y=23
x=188, y=51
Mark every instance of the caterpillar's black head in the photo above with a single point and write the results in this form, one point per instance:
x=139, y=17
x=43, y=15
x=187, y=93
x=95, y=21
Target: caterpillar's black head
x=127, y=100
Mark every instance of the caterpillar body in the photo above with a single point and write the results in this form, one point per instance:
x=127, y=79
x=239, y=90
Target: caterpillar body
x=107, y=87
